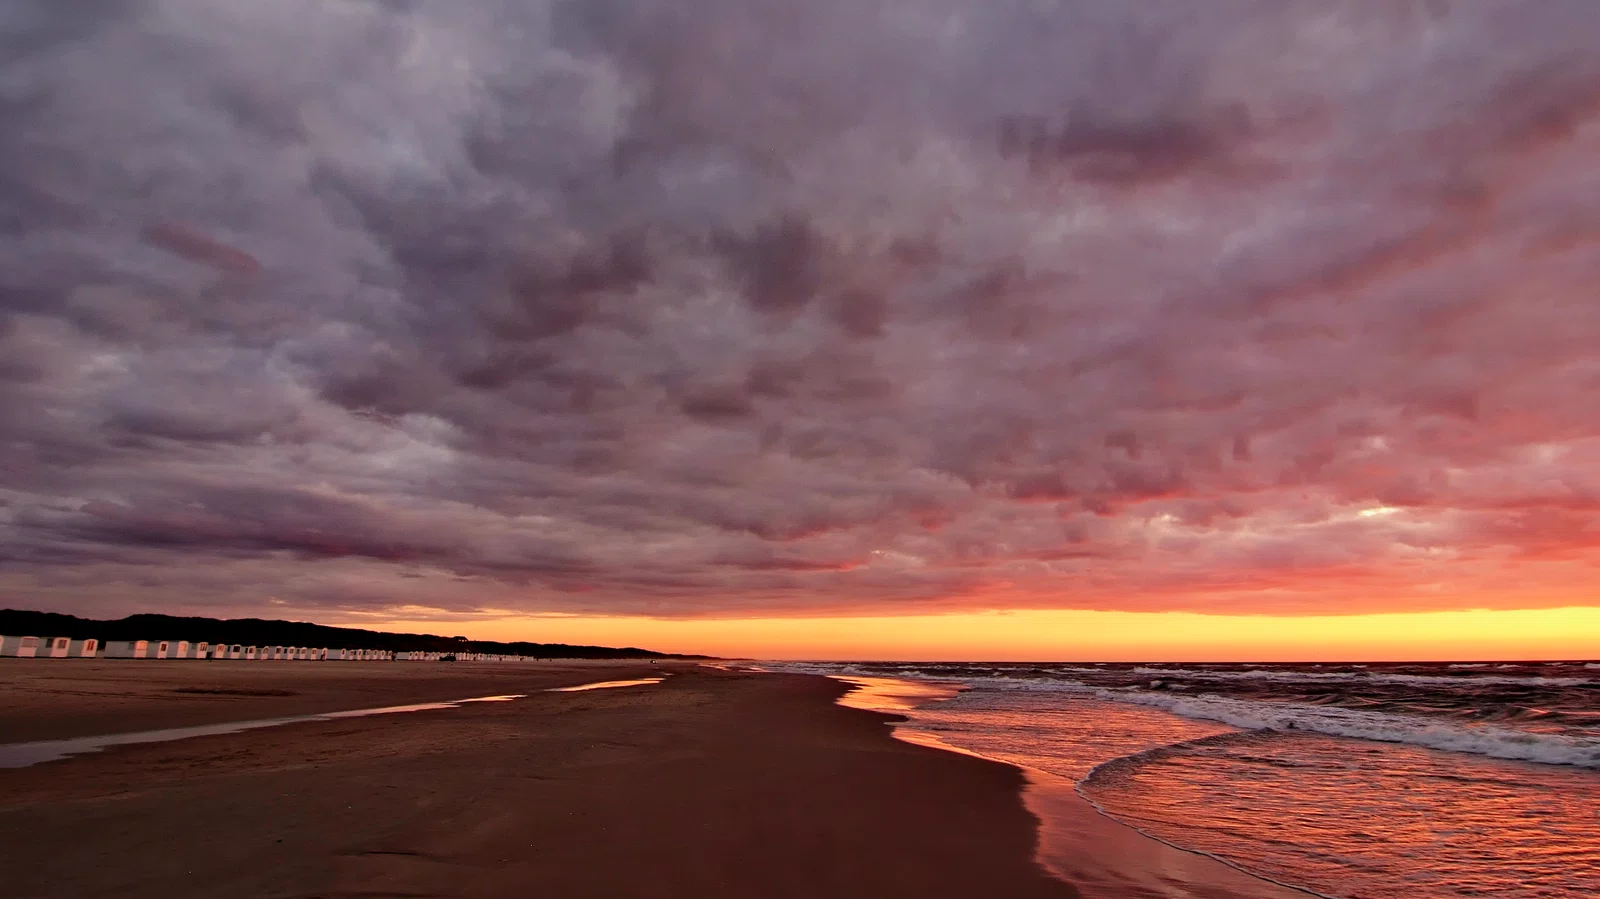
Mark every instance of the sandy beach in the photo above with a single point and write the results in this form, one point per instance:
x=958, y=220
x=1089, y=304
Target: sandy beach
x=711, y=784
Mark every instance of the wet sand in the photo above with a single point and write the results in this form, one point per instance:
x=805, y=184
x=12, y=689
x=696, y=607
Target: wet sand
x=54, y=699
x=711, y=784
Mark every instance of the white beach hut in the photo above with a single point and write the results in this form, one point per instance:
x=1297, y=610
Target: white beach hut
x=219, y=650
x=19, y=647
x=128, y=649
x=170, y=649
x=54, y=648
x=199, y=651
x=236, y=651
x=84, y=649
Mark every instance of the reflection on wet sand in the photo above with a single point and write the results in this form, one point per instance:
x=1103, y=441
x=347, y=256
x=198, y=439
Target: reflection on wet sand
x=23, y=755
x=607, y=685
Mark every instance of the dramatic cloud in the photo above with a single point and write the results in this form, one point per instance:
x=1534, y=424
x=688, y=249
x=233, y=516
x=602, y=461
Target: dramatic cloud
x=742, y=307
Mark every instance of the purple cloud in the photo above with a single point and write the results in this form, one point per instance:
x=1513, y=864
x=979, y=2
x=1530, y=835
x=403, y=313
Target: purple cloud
x=764, y=307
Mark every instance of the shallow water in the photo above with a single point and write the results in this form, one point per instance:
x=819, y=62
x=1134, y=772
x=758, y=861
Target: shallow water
x=1264, y=776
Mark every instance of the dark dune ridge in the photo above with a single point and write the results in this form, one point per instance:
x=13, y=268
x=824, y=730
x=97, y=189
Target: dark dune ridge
x=260, y=632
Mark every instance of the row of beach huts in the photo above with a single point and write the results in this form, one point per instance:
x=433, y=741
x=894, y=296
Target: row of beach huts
x=68, y=648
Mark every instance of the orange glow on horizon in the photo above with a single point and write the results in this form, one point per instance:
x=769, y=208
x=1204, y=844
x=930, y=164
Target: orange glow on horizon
x=1480, y=634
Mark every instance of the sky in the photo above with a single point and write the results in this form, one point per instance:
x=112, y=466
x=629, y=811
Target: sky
x=847, y=327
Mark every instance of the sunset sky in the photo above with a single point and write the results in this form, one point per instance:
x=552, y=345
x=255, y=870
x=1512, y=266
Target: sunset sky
x=1015, y=329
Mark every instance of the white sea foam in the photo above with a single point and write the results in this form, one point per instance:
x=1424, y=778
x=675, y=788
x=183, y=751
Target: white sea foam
x=1495, y=742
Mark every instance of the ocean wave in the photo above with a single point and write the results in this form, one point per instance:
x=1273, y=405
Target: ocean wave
x=1387, y=726
x=1369, y=677
x=1485, y=740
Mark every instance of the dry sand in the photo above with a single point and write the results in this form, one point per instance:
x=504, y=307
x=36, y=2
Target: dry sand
x=712, y=784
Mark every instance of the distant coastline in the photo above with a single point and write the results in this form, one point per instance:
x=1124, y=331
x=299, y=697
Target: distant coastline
x=257, y=631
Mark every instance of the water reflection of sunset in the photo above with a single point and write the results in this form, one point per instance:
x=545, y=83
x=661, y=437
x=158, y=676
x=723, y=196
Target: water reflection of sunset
x=889, y=694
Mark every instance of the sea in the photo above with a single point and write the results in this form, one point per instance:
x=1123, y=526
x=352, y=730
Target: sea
x=1380, y=781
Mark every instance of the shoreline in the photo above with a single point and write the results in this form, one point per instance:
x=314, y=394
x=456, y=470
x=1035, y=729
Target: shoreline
x=1078, y=842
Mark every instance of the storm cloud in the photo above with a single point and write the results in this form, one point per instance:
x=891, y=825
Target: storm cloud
x=750, y=307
